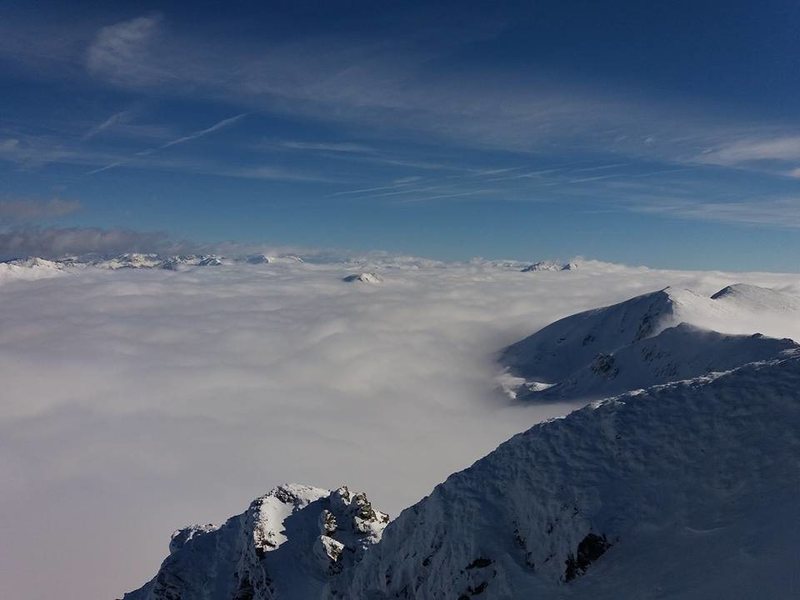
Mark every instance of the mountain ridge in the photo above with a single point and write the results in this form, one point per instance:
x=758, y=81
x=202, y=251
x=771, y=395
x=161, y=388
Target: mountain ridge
x=647, y=340
x=646, y=486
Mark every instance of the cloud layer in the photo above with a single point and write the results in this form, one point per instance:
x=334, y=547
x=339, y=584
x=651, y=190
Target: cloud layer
x=138, y=401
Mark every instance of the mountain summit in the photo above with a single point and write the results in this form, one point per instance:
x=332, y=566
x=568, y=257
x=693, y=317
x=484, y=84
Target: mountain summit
x=648, y=340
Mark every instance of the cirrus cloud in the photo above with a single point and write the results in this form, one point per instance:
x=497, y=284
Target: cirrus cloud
x=122, y=52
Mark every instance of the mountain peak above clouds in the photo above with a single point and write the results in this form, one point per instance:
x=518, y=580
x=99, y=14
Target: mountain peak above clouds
x=291, y=543
x=549, y=265
x=137, y=260
x=363, y=278
x=648, y=340
x=754, y=297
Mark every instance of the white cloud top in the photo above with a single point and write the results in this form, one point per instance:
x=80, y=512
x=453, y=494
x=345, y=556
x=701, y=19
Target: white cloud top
x=135, y=402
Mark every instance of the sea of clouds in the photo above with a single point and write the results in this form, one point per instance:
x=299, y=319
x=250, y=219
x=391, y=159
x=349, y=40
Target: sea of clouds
x=138, y=401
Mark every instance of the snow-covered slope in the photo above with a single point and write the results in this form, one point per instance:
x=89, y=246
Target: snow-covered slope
x=29, y=268
x=685, y=491
x=289, y=544
x=648, y=340
x=753, y=297
x=363, y=278
x=155, y=261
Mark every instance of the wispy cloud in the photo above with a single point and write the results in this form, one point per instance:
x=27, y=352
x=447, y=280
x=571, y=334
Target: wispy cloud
x=267, y=172
x=15, y=211
x=107, y=167
x=347, y=147
x=36, y=151
x=773, y=212
x=198, y=134
x=393, y=88
x=736, y=152
x=462, y=194
x=115, y=119
x=391, y=85
x=419, y=121
x=123, y=52
x=388, y=85
x=181, y=140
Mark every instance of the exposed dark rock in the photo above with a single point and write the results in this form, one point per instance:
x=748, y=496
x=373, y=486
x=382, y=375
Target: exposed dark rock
x=590, y=548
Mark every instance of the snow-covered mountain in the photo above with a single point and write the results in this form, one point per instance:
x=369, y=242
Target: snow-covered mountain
x=291, y=543
x=34, y=262
x=756, y=298
x=137, y=260
x=131, y=260
x=260, y=259
x=683, y=491
x=548, y=265
x=30, y=268
x=363, y=278
x=648, y=340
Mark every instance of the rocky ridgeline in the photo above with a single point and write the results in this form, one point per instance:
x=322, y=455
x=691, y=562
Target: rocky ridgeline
x=293, y=542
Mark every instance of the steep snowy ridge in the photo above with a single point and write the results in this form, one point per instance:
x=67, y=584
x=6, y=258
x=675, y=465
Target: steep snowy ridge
x=290, y=543
x=677, y=353
x=649, y=340
x=685, y=491
x=557, y=350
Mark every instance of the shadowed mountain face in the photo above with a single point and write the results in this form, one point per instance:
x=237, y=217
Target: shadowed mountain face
x=648, y=340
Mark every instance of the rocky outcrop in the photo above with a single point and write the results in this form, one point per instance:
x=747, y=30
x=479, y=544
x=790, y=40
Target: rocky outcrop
x=290, y=543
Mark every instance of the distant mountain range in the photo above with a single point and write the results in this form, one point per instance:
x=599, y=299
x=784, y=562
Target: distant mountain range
x=135, y=260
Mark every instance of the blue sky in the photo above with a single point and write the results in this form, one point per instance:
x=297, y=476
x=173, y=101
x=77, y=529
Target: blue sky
x=663, y=134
